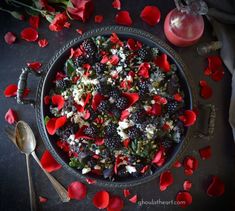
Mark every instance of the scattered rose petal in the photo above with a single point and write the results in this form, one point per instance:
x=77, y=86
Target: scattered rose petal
x=114, y=60
x=184, y=199
x=116, y=4
x=55, y=123
x=159, y=157
x=133, y=45
x=42, y=199
x=10, y=90
x=151, y=15
x=133, y=199
x=115, y=39
x=99, y=18
x=81, y=9
x=47, y=100
x=132, y=98
x=96, y=101
x=155, y=110
x=144, y=70
x=101, y=199
x=166, y=179
x=34, y=65
x=177, y=164
x=42, y=43
x=206, y=91
x=123, y=18
x=63, y=145
x=29, y=34
x=81, y=134
x=205, y=153
x=90, y=181
x=115, y=204
x=79, y=31
x=49, y=163
x=126, y=192
x=126, y=142
x=178, y=97
x=163, y=63
x=67, y=25
x=34, y=21
x=189, y=118
x=77, y=190
x=58, y=100
x=217, y=75
x=190, y=164
x=187, y=185
x=216, y=187
x=10, y=38
x=58, y=22
x=11, y=116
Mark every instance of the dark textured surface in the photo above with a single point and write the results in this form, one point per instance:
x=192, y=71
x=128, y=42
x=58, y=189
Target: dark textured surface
x=13, y=180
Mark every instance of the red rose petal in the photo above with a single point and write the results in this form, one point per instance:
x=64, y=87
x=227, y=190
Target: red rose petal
x=166, y=179
x=206, y=92
x=59, y=21
x=126, y=142
x=177, y=164
x=189, y=118
x=49, y=163
x=190, y=164
x=116, y=4
x=115, y=39
x=79, y=31
x=144, y=70
x=9, y=38
x=216, y=187
x=42, y=43
x=77, y=190
x=187, y=185
x=151, y=15
x=156, y=110
x=133, y=199
x=114, y=60
x=29, y=34
x=217, y=75
x=115, y=204
x=59, y=76
x=101, y=199
x=55, y=123
x=46, y=100
x=160, y=100
x=144, y=169
x=125, y=114
x=178, y=97
x=10, y=90
x=99, y=18
x=34, y=21
x=67, y=25
x=132, y=98
x=203, y=83
x=81, y=10
x=90, y=181
x=132, y=44
x=163, y=63
x=34, y=65
x=96, y=101
x=184, y=199
x=126, y=192
x=81, y=134
x=159, y=157
x=58, y=100
x=205, y=153
x=63, y=145
x=207, y=71
x=11, y=116
x=214, y=62
x=42, y=199
x=123, y=18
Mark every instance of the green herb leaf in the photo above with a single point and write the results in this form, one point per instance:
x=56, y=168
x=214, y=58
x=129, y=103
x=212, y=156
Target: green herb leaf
x=46, y=119
x=70, y=67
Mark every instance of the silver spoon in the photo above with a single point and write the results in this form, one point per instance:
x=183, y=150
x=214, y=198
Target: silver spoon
x=26, y=142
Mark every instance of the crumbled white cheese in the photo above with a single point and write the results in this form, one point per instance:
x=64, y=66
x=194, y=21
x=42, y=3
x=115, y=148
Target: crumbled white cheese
x=150, y=129
x=97, y=167
x=130, y=169
x=86, y=170
x=69, y=114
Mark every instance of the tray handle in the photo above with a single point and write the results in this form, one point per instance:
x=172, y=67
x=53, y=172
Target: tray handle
x=22, y=84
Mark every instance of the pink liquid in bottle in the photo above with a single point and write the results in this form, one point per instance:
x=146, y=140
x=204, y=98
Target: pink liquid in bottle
x=183, y=27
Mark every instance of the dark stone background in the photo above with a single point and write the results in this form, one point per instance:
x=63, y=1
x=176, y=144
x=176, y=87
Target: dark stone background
x=13, y=178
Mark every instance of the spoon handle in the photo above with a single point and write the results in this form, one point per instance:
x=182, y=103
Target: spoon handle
x=62, y=192
x=31, y=188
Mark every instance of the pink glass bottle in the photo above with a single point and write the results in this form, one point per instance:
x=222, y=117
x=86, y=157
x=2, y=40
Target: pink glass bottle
x=184, y=25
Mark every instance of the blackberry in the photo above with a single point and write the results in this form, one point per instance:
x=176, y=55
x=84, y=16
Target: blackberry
x=115, y=93
x=91, y=131
x=134, y=132
x=93, y=58
x=121, y=103
x=117, y=113
x=79, y=61
x=143, y=87
x=113, y=142
x=167, y=143
x=89, y=46
x=62, y=84
x=145, y=54
x=111, y=129
x=122, y=172
x=66, y=131
x=103, y=106
x=172, y=107
x=100, y=68
x=69, y=104
x=138, y=117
